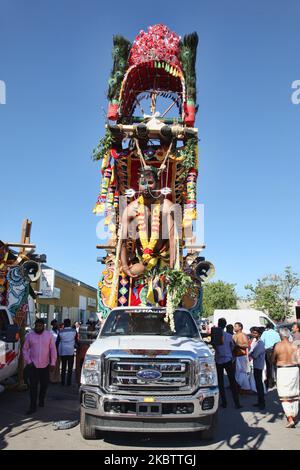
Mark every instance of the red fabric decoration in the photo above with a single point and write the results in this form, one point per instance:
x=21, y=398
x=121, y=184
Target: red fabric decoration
x=148, y=251
x=112, y=112
x=189, y=114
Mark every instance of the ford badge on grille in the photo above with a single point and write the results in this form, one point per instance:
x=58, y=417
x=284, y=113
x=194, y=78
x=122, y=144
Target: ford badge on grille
x=149, y=374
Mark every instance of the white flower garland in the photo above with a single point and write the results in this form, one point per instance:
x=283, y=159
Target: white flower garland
x=170, y=308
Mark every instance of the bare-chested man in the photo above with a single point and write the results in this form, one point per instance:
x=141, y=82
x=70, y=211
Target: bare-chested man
x=286, y=358
x=241, y=356
x=149, y=222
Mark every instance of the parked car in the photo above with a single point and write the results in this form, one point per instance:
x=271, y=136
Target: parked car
x=285, y=325
x=9, y=345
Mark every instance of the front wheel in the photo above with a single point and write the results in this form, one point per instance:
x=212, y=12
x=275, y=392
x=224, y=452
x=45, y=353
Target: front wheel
x=209, y=434
x=87, y=431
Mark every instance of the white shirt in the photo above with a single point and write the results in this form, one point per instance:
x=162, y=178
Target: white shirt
x=66, y=341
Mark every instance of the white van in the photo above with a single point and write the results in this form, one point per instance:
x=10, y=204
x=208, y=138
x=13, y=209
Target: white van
x=9, y=345
x=248, y=317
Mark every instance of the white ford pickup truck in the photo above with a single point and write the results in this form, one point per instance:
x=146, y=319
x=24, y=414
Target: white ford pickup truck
x=139, y=375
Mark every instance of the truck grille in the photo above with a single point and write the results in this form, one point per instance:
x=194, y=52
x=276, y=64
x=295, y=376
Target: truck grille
x=164, y=375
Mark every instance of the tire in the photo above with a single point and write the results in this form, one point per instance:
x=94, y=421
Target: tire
x=209, y=434
x=87, y=432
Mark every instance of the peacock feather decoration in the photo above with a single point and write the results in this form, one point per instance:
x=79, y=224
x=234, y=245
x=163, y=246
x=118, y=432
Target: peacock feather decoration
x=188, y=55
x=120, y=53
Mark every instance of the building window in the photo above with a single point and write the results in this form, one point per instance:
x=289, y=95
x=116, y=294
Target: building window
x=57, y=314
x=43, y=311
x=82, y=316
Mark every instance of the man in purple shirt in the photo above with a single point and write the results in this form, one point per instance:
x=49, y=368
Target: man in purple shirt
x=39, y=351
x=224, y=361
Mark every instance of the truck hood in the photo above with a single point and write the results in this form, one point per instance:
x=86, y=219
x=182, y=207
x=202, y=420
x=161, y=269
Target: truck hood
x=143, y=345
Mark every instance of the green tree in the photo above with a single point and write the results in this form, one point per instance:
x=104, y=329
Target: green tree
x=288, y=284
x=218, y=295
x=273, y=294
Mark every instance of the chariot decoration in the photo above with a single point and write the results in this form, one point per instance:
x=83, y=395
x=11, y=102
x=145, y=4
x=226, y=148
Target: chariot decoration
x=149, y=169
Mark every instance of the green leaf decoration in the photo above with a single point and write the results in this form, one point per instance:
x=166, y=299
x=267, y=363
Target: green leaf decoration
x=178, y=284
x=103, y=146
x=189, y=154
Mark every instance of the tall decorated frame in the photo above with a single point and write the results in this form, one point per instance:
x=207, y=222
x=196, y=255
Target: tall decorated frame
x=150, y=127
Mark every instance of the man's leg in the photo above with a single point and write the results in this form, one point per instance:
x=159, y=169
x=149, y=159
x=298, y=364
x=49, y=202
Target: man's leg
x=233, y=385
x=290, y=412
x=269, y=379
x=63, y=369
x=220, y=372
x=44, y=381
x=272, y=368
x=70, y=369
x=33, y=380
x=259, y=387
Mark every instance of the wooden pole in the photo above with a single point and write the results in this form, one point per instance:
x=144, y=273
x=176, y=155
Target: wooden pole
x=20, y=245
x=24, y=242
x=25, y=235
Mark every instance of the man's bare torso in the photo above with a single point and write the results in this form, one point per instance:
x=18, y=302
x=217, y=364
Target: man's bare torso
x=285, y=354
x=166, y=220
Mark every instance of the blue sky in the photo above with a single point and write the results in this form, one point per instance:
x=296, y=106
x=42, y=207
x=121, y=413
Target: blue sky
x=55, y=60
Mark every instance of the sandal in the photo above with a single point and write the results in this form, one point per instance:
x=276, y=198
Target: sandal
x=290, y=424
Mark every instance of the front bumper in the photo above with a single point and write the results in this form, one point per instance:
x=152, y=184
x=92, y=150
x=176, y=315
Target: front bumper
x=132, y=413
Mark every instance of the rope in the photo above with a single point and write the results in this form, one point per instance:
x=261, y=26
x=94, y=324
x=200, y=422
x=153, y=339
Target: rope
x=167, y=176
x=140, y=153
x=115, y=279
x=153, y=102
x=162, y=166
x=170, y=107
x=177, y=253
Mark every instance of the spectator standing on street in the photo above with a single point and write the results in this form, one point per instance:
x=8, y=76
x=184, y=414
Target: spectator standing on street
x=229, y=329
x=270, y=338
x=241, y=357
x=54, y=374
x=209, y=327
x=39, y=351
x=296, y=333
x=66, y=344
x=224, y=358
x=257, y=353
x=286, y=358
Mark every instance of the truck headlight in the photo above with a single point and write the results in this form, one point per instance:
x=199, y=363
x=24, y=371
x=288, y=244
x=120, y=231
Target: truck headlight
x=91, y=369
x=207, y=372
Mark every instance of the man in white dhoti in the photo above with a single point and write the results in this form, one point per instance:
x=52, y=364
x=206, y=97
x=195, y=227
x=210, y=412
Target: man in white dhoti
x=241, y=357
x=286, y=358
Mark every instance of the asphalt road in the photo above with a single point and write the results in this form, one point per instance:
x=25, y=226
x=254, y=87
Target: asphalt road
x=237, y=429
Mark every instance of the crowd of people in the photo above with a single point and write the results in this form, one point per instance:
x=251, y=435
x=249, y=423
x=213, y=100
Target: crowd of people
x=256, y=364
x=252, y=365
x=49, y=357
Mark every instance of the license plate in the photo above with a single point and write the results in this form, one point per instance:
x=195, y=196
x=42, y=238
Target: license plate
x=149, y=409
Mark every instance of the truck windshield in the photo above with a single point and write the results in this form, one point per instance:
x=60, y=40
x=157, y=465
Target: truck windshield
x=130, y=322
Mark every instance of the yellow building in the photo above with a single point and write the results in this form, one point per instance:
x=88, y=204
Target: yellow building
x=61, y=296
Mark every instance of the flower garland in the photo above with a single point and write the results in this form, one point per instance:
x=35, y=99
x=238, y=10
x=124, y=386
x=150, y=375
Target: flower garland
x=170, y=308
x=148, y=245
x=178, y=284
